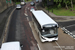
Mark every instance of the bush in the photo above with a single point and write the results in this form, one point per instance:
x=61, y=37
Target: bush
x=59, y=5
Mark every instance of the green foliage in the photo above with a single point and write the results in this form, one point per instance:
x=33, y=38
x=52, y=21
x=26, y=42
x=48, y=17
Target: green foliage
x=62, y=12
x=18, y=2
x=66, y=2
x=27, y=0
x=60, y=0
x=56, y=1
x=59, y=5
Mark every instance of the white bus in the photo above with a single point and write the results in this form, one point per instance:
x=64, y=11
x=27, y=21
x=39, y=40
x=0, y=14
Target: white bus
x=46, y=27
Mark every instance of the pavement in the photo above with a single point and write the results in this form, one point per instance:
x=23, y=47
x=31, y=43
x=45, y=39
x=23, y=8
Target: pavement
x=55, y=17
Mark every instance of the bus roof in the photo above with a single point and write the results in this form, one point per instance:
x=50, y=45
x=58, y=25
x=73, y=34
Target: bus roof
x=43, y=18
x=11, y=46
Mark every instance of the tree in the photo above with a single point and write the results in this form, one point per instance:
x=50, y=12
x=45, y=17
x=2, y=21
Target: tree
x=72, y=5
x=16, y=0
x=58, y=2
x=66, y=3
x=44, y=3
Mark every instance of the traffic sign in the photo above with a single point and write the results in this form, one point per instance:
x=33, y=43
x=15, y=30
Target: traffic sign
x=8, y=1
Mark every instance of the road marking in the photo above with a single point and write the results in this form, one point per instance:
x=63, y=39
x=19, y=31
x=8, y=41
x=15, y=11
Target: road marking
x=25, y=14
x=38, y=46
x=58, y=45
x=70, y=25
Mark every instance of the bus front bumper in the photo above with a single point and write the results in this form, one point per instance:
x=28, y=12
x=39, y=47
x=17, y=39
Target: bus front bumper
x=49, y=39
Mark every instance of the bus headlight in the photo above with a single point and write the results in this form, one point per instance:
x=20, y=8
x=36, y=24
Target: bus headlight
x=43, y=30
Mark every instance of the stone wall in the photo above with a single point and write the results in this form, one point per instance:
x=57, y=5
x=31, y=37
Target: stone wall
x=4, y=5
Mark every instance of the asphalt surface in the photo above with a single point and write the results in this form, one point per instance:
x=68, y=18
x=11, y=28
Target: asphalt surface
x=12, y=26
x=69, y=25
x=19, y=29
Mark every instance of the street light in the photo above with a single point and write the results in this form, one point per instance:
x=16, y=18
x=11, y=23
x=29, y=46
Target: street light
x=50, y=3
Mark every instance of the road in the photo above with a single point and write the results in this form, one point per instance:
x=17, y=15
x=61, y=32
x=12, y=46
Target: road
x=19, y=30
x=70, y=26
x=22, y=29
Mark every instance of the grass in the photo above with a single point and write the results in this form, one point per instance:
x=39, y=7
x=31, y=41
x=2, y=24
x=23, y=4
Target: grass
x=28, y=0
x=25, y=1
x=63, y=11
x=18, y=2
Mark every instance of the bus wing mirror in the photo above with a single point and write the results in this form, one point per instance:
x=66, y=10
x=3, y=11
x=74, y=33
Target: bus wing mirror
x=41, y=29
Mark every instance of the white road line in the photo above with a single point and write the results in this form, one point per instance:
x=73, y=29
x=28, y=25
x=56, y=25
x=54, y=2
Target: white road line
x=27, y=19
x=58, y=45
x=70, y=25
x=25, y=14
x=38, y=46
x=30, y=24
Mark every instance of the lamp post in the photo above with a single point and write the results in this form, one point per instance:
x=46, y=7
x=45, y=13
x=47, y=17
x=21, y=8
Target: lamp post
x=50, y=3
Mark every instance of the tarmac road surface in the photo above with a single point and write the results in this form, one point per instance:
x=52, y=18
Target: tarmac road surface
x=19, y=30
x=69, y=25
